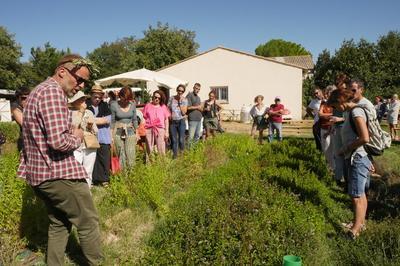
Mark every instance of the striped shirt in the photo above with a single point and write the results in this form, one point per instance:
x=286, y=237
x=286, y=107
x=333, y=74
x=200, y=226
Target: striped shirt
x=48, y=140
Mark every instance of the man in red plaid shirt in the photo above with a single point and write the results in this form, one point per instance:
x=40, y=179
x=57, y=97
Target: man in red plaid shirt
x=49, y=166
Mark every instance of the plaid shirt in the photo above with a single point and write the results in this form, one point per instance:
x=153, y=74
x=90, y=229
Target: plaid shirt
x=48, y=141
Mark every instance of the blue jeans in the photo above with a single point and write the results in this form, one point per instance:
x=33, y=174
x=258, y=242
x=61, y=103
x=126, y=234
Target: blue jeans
x=194, y=131
x=272, y=127
x=177, y=130
x=358, y=173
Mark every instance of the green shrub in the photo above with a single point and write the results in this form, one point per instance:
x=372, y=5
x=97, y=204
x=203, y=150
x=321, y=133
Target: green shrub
x=232, y=216
x=226, y=201
x=10, y=130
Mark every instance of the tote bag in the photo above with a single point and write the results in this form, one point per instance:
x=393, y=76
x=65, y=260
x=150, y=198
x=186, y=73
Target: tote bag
x=115, y=166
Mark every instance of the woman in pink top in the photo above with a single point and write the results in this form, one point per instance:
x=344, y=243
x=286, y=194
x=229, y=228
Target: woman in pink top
x=156, y=115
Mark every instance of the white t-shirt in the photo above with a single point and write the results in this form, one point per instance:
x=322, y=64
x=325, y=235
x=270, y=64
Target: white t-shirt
x=314, y=105
x=255, y=111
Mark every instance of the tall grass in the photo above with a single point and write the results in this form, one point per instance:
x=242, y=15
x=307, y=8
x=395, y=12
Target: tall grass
x=227, y=201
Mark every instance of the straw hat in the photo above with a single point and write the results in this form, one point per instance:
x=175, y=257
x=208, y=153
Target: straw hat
x=96, y=89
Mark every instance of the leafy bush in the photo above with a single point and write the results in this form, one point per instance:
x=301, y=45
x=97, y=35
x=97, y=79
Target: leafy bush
x=233, y=216
x=227, y=201
x=10, y=130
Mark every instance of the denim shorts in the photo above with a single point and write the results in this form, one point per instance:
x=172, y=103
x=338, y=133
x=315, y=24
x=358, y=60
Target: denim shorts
x=358, y=174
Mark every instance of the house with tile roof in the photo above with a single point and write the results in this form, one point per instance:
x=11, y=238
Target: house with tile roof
x=237, y=77
x=304, y=61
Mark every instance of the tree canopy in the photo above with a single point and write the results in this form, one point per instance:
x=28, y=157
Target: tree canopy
x=378, y=64
x=10, y=66
x=160, y=46
x=115, y=57
x=279, y=47
x=41, y=64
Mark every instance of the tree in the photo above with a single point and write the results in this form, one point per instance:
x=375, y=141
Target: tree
x=115, y=57
x=279, y=47
x=163, y=45
x=388, y=56
x=10, y=67
x=377, y=64
x=324, y=70
x=159, y=47
x=43, y=62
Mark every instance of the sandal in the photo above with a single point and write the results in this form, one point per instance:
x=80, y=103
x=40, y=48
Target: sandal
x=350, y=225
x=351, y=235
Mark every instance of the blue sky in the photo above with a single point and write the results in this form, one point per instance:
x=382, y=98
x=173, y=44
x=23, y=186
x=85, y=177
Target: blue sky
x=242, y=25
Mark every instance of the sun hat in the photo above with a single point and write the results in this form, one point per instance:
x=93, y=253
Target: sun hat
x=277, y=98
x=76, y=97
x=96, y=89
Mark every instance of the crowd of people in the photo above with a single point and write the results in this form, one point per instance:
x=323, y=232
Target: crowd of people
x=67, y=140
x=342, y=127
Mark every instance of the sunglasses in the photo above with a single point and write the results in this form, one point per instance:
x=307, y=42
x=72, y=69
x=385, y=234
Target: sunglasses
x=24, y=97
x=79, y=80
x=156, y=97
x=180, y=91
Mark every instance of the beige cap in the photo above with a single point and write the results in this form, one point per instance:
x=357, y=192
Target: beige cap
x=77, y=96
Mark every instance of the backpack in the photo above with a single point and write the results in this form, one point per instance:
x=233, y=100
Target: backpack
x=379, y=140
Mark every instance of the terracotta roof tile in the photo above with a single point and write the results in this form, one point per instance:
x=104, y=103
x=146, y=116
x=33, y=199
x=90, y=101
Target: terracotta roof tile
x=303, y=61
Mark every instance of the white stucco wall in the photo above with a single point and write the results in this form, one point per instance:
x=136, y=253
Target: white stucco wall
x=246, y=76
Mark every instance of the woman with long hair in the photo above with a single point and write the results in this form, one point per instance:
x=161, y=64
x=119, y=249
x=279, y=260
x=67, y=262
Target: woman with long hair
x=325, y=114
x=357, y=164
x=124, y=124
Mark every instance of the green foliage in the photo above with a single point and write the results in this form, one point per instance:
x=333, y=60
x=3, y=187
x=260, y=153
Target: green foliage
x=43, y=62
x=10, y=130
x=279, y=47
x=375, y=63
x=115, y=57
x=10, y=66
x=245, y=212
x=11, y=191
x=164, y=45
x=160, y=46
x=227, y=201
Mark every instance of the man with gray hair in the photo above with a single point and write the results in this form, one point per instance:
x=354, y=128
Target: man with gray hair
x=48, y=162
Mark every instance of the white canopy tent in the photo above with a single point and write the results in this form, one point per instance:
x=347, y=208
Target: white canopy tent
x=129, y=78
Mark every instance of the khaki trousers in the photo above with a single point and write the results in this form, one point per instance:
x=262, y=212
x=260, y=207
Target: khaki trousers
x=68, y=203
